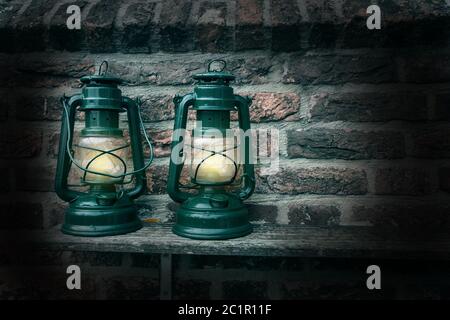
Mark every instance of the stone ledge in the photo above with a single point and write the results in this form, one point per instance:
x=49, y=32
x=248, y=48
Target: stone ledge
x=269, y=240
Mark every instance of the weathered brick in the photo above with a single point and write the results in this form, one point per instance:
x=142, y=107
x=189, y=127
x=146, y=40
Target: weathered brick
x=367, y=106
x=43, y=70
x=98, y=26
x=322, y=35
x=250, y=33
x=324, y=143
x=322, y=25
x=177, y=35
x=404, y=181
x=157, y=179
x=157, y=175
x=314, y=215
x=161, y=141
x=137, y=27
x=285, y=18
x=431, y=143
x=62, y=38
x=157, y=108
x=53, y=144
x=23, y=143
x=308, y=69
x=444, y=178
x=212, y=34
x=271, y=106
x=7, y=16
x=315, y=180
x=29, y=31
x=178, y=70
x=130, y=288
x=54, y=210
x=442, y=107
x=38, y=107
x=235, y=290
x=192, y=289
x=21, y=215
x=262, y=212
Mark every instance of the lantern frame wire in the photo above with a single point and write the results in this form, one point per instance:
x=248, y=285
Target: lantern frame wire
x=103, y=152
x=213, y=153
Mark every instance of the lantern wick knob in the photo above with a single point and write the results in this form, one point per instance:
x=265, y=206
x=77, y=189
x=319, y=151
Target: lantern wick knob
x=104, y=63
x=217, y=69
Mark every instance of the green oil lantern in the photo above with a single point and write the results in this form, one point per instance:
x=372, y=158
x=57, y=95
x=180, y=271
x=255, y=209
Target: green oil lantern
x=100, y=158
x=210, y=207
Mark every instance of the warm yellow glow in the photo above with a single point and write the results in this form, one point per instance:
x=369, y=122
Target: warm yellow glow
x=215, y=168
x=106, y=163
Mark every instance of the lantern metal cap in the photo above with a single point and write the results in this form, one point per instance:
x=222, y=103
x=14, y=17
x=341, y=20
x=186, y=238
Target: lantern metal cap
x=215, y=74
x=101, y=77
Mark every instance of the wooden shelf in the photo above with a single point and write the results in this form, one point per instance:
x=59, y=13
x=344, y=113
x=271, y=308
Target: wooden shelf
x=266, y=240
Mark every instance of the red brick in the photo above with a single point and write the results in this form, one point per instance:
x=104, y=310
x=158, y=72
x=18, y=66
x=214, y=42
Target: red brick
x=161, y=141
x=325, y=143
x=212, y=33
x=98, y=26
x=314, y=180
x=157, y=108
x=177, y=35
x=368, y=106
x=250, y=32
x=272, y=106
x=341, y=68
x=314, y=215
x=138, y=29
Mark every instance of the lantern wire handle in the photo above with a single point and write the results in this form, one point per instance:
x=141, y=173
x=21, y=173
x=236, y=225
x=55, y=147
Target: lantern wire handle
x=104, y=63
x=221, y=61
x=69, y=152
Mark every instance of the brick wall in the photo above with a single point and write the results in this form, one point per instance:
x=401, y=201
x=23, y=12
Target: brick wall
x=364, y=118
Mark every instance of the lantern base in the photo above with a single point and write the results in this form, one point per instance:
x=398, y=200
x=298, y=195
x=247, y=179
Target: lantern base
x=210, y=216
x=87, y=218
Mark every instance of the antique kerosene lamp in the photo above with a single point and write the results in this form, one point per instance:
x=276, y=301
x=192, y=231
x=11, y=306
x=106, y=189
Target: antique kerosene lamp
x=100, y=157
x=218, y=160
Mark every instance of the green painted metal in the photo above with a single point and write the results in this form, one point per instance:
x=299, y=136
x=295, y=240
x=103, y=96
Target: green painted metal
x=211, y=213
x=103, y=210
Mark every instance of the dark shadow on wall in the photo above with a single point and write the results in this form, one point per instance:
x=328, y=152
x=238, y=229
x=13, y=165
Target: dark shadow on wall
x=401, y=118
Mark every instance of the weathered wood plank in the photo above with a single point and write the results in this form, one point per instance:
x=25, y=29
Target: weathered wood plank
x=266, y=240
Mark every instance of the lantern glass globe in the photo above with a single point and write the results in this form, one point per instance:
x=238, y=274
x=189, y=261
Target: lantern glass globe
x=105, y=163
x=213, y=160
